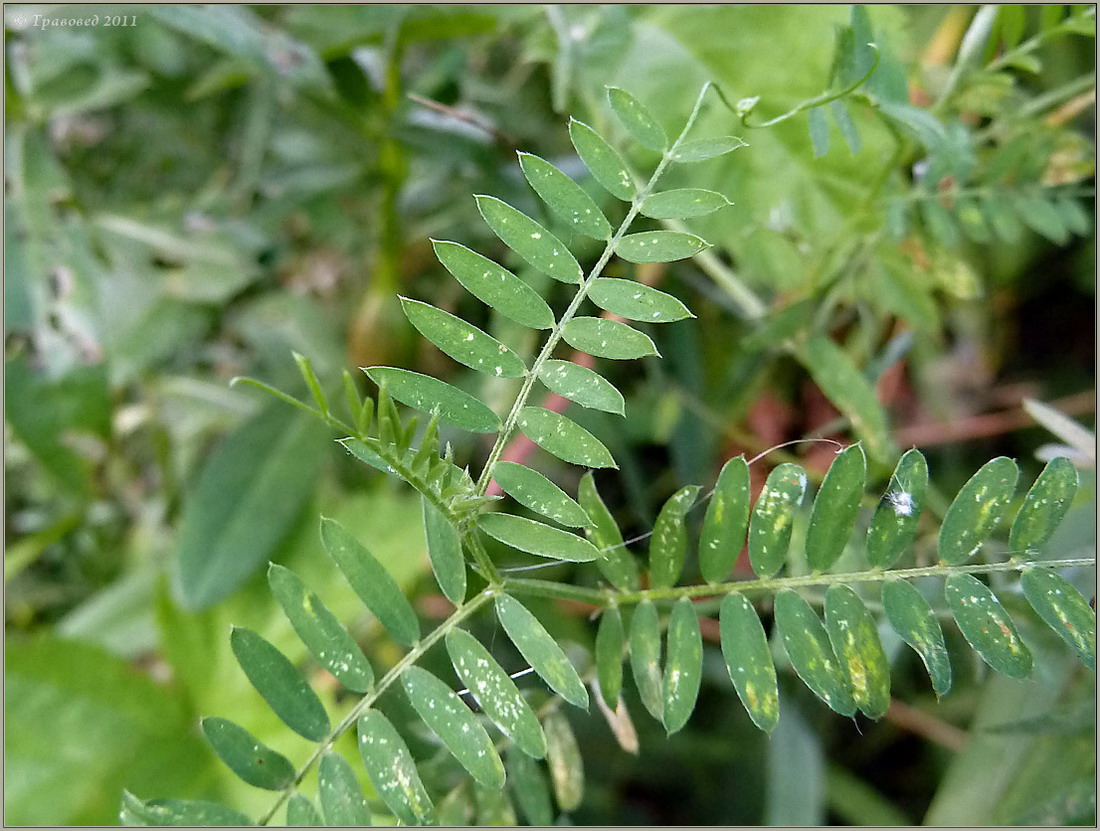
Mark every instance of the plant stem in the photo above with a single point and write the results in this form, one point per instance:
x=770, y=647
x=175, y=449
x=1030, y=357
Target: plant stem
x=410, y=658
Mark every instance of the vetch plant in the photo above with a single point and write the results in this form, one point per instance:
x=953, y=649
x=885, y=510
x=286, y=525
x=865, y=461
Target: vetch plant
x=649, y=609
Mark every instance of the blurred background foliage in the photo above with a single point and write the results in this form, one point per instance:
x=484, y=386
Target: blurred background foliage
x=194, y=196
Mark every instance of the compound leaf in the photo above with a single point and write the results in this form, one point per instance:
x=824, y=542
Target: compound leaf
x=645, y=657
x=541, y=651
x=430, y=395
x=636, y=301
x=610, y=639
x=637, y=119
x=531, y=488
x=563, y=438
x=494, y=285
x=392, y=770
x=854, y=636
x=616, y=563
x=582, y=386
x=835, y=508
x=254, y=762
x=565, y=197
x=773, y=518
x=445, y=553
x=607, y=339
x=462, y=341
x=659, y=246
x=894, y=526
x=749, y=660
x=602, y=160
x=986, y=625
x=912, y=618
x=537, y=538
x=977, y=510
x=811, y=654
x=684, y=667
x=530, y=240
x=668, y=545
x=1044, y=507
x=341, y=798
x=1064, y=610
x=727, y=518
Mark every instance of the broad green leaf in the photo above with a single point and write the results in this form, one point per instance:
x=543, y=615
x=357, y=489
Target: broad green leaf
x=835, y=508
x=456, y=725
x=811, y=654
x=607, y=339
x=850, y=392
x=912, y=618
x=819, y=131
x=699, y=150
x=301, y=813
x=529, y=487
x=616, y=563
x=495, y=692
x=445, y=553
x=727, y=518
x=684, y=667
x=565, y=197
x=322, y=633
x=659, y=246
x=392, y=770
x=894, y=526
x=610, y=639
x=773, y=519
x=683, y=203
x=430, y=395
x=254, y=762
x=986, y=625
x=371, y=582
x=635, y=301
x=1044, y=507
x=843, y=120
x=602, y=160
x=563, y=757
x=465, y=343
x=541, y=651
x=749, y=660
x=494, y=285
x=645, y=657
x=537, y=538
x=1064, y=609
x=668, y=545
x=530, y=788
x=854, y=636
x=563, y=438
x=279, y=684
x=191, y=812
x=247, y=498
x=977, y=510
x=582, y=386
x=637, y=119
x=341, y=798
x=530, y=240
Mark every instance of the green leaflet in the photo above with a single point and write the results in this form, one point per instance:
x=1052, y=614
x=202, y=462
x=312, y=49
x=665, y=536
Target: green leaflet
x=635, y=301
x=699, y=150
x=192, y=812
x=610, y=639
x=371, y=582
x=456, y=808
x=341, y=798
x=684, y=667
x=1040, y=215
x=494, y=285
x=835, y=508
x=445, y=553
x=430, y=395
x=365, y=454
x=645, y=657
x=1065, y=611
x=530, y=240
x=607, y=339
x=854, y=636
x=493, y=806
x=986, y=625
x=254, y=762
x=279, y=684
x=894, y=526
x=565, y=197
x=531, y=488
x=455, y=724
x=495, y=692
x=325, y=637
x=563, y=757
x=749, y=660
x=301, y=813
x=537, y=538
x=727, y=518
x=541, y=651
x=912, y=618
x=392, y=770
x=659, y=246
x=843, y=120
x=310, y=377
x=563, y=438
x=637, y=119
x=602, y=160
x=1044, y=507
x=772, y=518
x=582, y=386
x=683, y=203
x=668, y=545
x=849, y=391
x=462, y=341
x=819, y=131
x=977, y=510
x=529, y=787
x=616, y=563
x=810, y=652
